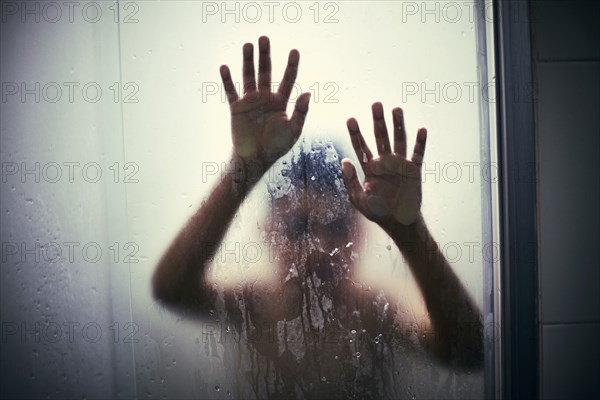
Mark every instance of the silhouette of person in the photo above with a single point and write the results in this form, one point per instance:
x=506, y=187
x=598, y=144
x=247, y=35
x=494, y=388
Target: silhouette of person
x=310, y=328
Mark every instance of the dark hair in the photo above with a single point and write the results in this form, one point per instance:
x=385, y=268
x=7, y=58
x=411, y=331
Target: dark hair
x=310, y=173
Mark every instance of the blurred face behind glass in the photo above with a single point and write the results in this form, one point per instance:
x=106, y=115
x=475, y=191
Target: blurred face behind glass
x=313, y=226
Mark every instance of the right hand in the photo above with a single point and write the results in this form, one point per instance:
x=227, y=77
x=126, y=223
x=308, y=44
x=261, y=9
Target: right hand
x=392, y=187
x=260, y=127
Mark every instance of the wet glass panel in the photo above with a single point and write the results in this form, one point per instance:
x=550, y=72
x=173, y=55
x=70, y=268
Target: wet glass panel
x=308, y=297
x=62, y=210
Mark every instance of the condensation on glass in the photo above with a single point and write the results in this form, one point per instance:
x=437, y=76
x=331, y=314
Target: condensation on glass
x=425, y=57
x=160, y=135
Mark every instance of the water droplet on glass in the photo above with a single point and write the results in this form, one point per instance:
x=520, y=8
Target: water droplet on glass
x=353, y=331
x=217, y=388
x=357, y=354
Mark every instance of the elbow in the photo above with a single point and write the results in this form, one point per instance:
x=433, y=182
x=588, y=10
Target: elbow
x=463, y=355
x=460, y=350
x=160, y=290
x=468, y=359
x=166, y=293
x=184, y=299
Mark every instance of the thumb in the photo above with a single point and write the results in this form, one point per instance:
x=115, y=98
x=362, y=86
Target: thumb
x=299, y=114
x=353, y=186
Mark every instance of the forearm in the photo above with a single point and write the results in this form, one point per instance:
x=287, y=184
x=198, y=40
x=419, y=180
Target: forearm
x=454, y=315
x=179, y=280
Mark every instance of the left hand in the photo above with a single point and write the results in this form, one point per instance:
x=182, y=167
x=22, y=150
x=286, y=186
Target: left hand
x=260, y=127
x=392, y=187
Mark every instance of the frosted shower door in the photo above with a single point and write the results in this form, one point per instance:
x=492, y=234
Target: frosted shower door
x=64, y=283
x=426, y=60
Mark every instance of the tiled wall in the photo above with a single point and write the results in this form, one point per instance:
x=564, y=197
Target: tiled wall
x=566, y=39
